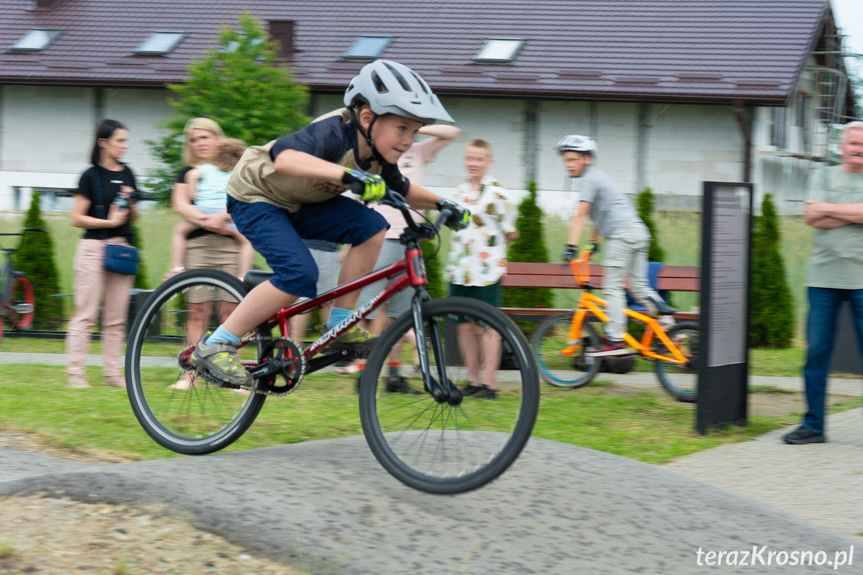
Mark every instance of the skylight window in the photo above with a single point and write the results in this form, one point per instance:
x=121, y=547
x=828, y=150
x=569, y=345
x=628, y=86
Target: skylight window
x=368, y=47
x=500, y=50
x=160, y=43
x=36, y=40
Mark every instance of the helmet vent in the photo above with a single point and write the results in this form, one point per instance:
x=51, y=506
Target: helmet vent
x=398, y=76
x=421, y=82
x=379, y=84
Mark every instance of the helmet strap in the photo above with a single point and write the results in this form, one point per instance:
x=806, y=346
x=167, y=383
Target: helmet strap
x=368, y=135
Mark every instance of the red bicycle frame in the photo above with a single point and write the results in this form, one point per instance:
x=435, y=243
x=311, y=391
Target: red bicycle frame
x=412, y=268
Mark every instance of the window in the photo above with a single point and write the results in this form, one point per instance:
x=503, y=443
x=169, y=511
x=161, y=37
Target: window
x=160, y=43
x=368, y=48
x=777, y=128
x=36, y=40
x=500, y=50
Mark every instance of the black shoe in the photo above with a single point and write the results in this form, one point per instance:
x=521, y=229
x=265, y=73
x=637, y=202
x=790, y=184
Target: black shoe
x=802, y=435
x=398, y=384
x=486, y=393
x=471, y=389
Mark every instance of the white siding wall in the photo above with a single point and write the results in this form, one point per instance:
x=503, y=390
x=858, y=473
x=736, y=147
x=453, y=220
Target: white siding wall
x=47, y=134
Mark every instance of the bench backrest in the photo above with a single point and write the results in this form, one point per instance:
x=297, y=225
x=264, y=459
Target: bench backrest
x=532, y=275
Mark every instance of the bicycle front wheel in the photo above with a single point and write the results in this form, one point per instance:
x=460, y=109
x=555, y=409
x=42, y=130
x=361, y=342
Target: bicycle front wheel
x=681, y=381
x=180, y=411
x=447, y=447
x=21, y=306
x=549, y=342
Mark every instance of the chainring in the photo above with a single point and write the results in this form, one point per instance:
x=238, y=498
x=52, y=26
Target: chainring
x=289, y=376
x=284, y=349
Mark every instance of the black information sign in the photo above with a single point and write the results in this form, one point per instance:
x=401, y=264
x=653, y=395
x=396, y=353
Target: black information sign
x=723, y=354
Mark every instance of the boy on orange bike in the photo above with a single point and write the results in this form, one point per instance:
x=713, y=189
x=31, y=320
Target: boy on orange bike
x=628, y=240
x=290, y=189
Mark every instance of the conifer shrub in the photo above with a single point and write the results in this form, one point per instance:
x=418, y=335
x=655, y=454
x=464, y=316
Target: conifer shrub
x=434, y=271
x=35, y=257
x=644, y=207
x=771, y=319
x=529, y=247
x=141, y=277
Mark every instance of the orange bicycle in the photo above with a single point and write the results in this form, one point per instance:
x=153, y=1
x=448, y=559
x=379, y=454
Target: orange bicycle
x=563, y=344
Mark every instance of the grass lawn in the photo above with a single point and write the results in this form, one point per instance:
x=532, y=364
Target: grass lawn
x=645, y=425
x=679, y=233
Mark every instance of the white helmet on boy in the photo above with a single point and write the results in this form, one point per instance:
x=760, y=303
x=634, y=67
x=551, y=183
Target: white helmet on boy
x=392, y=88
x=574, y=143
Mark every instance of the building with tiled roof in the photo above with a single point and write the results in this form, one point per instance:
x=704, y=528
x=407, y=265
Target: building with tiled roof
x=675, y=91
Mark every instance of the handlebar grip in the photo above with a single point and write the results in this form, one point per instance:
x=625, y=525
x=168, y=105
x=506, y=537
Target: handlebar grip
x=33, y=230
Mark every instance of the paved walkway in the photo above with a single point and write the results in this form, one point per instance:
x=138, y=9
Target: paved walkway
x=559, y=509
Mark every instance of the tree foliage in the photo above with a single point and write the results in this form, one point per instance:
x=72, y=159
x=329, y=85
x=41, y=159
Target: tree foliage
x=644, y=207
x=529, y=247
x=772, y=316
x=35, y=257
x=239, y=85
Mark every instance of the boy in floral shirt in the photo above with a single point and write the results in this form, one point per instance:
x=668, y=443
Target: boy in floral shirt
x=477, y=261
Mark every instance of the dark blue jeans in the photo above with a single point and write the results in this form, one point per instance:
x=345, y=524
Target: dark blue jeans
x=824, y=306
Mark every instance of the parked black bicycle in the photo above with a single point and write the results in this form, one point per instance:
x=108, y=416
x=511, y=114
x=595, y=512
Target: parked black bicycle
x=17, y=299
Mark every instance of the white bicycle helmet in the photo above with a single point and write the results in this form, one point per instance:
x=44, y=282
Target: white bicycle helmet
x=574, y=143
x=392, y=88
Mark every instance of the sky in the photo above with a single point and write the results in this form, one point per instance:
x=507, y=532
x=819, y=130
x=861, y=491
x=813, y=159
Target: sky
x=849, y=17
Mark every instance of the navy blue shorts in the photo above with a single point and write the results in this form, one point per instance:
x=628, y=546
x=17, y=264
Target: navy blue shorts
x=278, y=234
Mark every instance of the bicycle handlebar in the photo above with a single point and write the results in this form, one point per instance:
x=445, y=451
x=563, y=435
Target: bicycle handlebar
x=396, y=200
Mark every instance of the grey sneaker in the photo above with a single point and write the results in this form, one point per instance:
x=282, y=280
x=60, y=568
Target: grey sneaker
x=220, y=361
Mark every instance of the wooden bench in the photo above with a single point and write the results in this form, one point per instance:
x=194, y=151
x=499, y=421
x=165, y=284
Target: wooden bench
x=557, y=276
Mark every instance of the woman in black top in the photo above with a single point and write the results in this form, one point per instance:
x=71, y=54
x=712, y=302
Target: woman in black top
x=103, y=225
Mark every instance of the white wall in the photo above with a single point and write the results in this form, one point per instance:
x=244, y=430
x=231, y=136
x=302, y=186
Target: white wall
x=46, y=137
x=46, y=134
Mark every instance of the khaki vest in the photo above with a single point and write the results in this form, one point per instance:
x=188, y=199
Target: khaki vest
x=255, y=178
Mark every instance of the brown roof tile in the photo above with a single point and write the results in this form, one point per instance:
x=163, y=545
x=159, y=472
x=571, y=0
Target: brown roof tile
x=690, y=50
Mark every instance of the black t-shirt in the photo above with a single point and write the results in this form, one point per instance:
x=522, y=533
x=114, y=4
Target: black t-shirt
x=110, y=183
x=333, y=139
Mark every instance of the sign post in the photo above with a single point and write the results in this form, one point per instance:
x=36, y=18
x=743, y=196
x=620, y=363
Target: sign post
x=723, y=356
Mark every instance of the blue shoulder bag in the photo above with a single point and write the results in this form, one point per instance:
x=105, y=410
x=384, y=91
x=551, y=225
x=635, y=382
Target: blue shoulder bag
x=118, y=259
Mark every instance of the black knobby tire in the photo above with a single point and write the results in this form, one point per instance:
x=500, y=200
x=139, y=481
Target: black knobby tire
x=443, y=448
x=681, y=381
x=549, y=340
x=207, y=417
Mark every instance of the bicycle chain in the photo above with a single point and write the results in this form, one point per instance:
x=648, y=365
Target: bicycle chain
x=275, y=392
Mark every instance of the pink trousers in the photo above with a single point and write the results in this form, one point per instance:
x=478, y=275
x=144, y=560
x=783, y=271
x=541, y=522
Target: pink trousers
x=92, y=285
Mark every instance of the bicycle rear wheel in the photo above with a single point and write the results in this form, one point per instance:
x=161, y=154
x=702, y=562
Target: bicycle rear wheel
x=450, y=447
x=180, y=411
x=21, y=306
x=681, y=381
x=548, y=342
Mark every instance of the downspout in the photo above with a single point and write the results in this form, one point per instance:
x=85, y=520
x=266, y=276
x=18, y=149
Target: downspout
x=641, y=147
x=744, y=122
x=530, y=138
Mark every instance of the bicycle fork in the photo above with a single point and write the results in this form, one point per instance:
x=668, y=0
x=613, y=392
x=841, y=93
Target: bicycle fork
x=442, y=388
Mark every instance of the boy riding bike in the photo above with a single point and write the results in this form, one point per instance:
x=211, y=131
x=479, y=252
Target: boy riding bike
x=291, y=189
x=615, y=219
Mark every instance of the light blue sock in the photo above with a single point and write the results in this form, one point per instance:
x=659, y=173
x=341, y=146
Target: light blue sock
x=222, y=334
x=337, y=314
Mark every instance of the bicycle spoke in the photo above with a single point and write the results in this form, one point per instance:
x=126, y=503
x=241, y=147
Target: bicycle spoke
x=459, y=442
